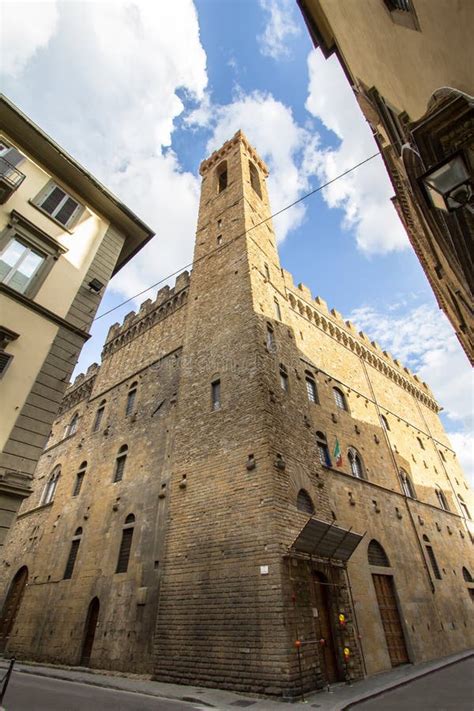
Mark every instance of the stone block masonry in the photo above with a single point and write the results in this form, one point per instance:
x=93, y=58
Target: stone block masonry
x=229, y=393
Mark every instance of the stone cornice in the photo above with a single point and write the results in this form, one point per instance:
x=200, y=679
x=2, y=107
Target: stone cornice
x=220, y=154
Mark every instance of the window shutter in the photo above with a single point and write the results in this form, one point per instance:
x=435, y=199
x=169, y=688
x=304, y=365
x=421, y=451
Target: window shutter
x=13, y=156
x=77, y=487
x=72, y=559
x=5, y=359
x=125, y=548
x=119, y=468
x=65, y=213
x=52, y=199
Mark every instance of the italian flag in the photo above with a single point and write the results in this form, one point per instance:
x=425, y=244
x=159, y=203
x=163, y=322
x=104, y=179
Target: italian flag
x=338, y=454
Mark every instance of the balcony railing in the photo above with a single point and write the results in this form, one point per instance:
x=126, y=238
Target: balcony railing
x=10, y=179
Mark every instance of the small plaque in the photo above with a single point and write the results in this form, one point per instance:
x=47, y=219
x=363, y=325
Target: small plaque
x=264, y=570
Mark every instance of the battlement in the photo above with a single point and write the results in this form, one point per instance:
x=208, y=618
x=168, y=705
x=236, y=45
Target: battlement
x=330, y=320
x=222, y=152
x=167, y=300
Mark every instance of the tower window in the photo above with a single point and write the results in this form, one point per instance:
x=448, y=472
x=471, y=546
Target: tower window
x=270, y=338
x=311, y=388
x=120, y=463
x=339, y=399
x=51, y=484
x=384, y=422
x=98, y=416
x=221, y=172
x=277, y=308
x=72, y=426
x=323, y=450
x=407, y=485
x=420, y=442
x=254, y=179
x=219, y=240
x=432, y=558
x=355, y=460
x=72, y=554
x=464, y=508
x=79, y=479
x=443, y=502
x=304, y=502
x=216, y=395
x=131, y=397
x=267, y=272
x=125, y=545
x=284, y=378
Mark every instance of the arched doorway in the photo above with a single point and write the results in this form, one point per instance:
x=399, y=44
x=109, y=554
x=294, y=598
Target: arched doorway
x=89, y=631
x=324, y=628
x=12, y=605
x=384, y=585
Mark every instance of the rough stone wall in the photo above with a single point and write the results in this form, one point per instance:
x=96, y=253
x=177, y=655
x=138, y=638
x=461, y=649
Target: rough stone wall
x=53, y=611
x=214, y=491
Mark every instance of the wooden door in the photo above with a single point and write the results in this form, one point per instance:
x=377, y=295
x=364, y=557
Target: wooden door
x=324, y=629
x=12, y=605
x=392, y=625
x=89, y=631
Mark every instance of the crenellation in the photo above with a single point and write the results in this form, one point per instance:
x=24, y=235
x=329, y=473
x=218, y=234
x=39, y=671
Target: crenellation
x=229, y=412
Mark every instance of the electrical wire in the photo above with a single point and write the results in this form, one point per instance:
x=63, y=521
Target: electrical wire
x=227, y=244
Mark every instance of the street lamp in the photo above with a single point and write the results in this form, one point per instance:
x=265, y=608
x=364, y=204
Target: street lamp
x=448, y=185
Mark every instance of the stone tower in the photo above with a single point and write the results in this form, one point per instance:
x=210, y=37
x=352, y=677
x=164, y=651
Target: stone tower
x=200, y=509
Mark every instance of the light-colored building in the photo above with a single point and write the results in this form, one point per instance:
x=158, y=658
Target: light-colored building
x=62, y=236
x=199, y=521
x=409, y=63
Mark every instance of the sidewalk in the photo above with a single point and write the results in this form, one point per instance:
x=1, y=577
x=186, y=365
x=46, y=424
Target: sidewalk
x=340, y=697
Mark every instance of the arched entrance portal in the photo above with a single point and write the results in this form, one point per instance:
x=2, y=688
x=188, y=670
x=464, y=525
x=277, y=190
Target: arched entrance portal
x=12, y=605
x=324, y=628
x=89, y=631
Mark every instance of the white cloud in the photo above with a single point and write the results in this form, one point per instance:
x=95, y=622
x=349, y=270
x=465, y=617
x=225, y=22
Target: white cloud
x=281, y=142
x=27, y=27
x=281, y=27
x=423, y=339
x=112, y=100
x=365, y=194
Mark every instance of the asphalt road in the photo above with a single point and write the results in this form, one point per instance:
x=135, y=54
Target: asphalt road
x=27, y=692
x=449, y=689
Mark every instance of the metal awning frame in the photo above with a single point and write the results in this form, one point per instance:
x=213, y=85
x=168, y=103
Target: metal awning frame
x=293, y=551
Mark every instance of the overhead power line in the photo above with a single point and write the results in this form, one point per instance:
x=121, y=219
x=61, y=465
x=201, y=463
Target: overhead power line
x=224, y=246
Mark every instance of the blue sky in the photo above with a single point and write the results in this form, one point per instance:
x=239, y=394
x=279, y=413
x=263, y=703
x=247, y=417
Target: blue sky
x=141, y=92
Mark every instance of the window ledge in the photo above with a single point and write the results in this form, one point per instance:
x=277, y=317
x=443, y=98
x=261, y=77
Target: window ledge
x=53, y=219
x=41, y=507
x=19, y=220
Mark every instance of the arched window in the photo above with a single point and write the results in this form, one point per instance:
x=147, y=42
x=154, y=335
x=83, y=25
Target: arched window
x=420, y=442
x=339, y=399
x=323, y=450
x=72, y=426
x=284, y=378
x=131, y=397
x=267, y=271
x=355, y=460
x=384, y=422
x=277, y=309
x=467, y=575
x=304, y=502
x=98, y=416
x=221, y=173
x=464, y=508
x=79, y=479
x=432, y=558
x=311, y=387
x=120, y=463
x=125, y=545
x=442, y=500
x=51, y=485
x=76, y=541
x=441, y=454
x=376, y=554
x=407, y=485
x=254, y=179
